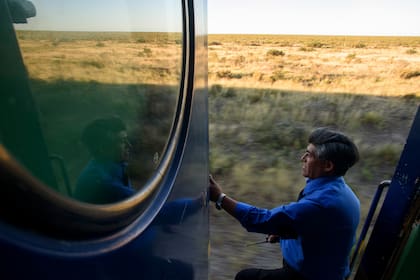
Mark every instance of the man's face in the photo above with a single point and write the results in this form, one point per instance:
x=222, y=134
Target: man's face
x=118, y=147
x=312, y=166
x=123, y=146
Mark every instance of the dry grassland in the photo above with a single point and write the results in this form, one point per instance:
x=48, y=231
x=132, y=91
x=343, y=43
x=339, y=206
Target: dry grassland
x=268, y=92
x=386, y=66
x=110, y=58
x=262, y=103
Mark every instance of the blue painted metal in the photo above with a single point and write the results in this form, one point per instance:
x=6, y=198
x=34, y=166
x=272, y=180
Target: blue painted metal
x=386, y=234
x=368, y=221
x=174, y=249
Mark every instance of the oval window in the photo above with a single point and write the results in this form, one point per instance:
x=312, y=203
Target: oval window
x=103, y=83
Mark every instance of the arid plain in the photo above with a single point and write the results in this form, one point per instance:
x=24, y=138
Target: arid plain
x=266, y=93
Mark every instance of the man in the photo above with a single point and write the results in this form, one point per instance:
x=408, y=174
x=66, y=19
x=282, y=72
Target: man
x=105, y=179
x=317, y=232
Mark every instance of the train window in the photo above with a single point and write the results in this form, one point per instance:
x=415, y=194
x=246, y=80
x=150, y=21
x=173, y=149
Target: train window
x=103, y=84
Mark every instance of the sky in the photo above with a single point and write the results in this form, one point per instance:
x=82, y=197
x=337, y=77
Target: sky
x=106, y=15
x=322, y=17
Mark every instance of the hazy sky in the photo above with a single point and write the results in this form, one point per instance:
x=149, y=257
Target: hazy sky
x=106, y=15
x=338, y=17
x=329, y=17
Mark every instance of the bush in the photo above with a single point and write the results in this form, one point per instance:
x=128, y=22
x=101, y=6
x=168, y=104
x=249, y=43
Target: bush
x=411, y=51
x=92, y=63
x=360, y=45
x=227, y=74
x=351, y=56
x=147, y=51
x=274, y=52
x=316, y=44
x=306, y=49
x=277, y=75
x=215, y=89
x=410, y=74
x=371, y=119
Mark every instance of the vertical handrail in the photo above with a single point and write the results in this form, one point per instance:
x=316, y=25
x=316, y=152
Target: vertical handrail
x=368, y=220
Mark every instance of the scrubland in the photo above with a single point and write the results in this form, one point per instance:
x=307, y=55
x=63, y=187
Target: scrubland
x=266, y=93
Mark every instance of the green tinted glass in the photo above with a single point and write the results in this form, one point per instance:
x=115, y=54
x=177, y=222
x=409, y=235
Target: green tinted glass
x=102, y=85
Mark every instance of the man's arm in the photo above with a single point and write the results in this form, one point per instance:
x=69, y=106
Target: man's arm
x=228, y=204
x=255, y=219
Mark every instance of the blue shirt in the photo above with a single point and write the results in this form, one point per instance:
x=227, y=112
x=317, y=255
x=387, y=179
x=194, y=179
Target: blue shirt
x=103, y=182
x=317, y=232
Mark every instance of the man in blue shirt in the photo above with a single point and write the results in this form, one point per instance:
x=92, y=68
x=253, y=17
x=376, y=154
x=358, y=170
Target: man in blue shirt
x=105, y=179
x=317, y=232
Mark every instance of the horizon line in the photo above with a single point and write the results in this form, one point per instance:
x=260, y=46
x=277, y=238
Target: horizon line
x=319, y=34
x=239, y=34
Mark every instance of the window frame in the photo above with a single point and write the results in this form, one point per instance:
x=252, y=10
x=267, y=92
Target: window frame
x=29, y=204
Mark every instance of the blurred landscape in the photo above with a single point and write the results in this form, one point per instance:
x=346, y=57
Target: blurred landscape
x=267, y=93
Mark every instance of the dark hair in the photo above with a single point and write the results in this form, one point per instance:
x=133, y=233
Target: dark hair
x=336, y=147
x=98, y=133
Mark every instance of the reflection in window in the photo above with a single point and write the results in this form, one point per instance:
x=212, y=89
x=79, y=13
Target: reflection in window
x=93, y=60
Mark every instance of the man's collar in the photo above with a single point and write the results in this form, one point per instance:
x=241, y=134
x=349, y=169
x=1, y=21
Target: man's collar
x=315, y=184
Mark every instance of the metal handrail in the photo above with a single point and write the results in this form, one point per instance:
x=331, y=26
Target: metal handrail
x=368, y=220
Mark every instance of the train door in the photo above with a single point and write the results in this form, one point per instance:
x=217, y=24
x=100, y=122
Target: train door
x=393, y=247
x=103, y=139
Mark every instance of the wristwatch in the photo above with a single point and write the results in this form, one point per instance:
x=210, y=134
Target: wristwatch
x=219, y=201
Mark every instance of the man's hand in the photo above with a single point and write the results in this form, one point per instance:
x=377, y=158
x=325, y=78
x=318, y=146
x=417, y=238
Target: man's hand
x=273, y=238
x=214, y=189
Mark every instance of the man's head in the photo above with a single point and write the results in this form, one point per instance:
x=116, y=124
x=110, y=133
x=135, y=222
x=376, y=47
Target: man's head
x=329, y=153
x=106, y=139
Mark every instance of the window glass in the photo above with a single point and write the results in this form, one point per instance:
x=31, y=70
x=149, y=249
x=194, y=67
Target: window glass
x=103, y=77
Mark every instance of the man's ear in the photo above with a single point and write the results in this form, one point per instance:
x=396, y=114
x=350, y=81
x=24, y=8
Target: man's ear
x=328, y=166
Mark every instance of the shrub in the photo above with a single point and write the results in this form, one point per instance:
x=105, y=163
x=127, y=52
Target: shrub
x=316, y=44
x=230, y=93
x=388, y=153
x=410, y=74
x=228, y=75
x=410, y=97
x=147, y=51
x=215, y=89
x=220, y=161
x=360, y=45
x=92, y=63
x=277, y=75
x=274, y=52
x=350, y=56
x=306, y=49
x=239, y=60
x=411, y=51
x=372, y=119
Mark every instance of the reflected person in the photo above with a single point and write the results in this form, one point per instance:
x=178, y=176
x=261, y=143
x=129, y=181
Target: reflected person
x=105, y=178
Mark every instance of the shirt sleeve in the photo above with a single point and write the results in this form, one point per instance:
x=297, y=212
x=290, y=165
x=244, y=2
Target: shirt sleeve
x=275, y=221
